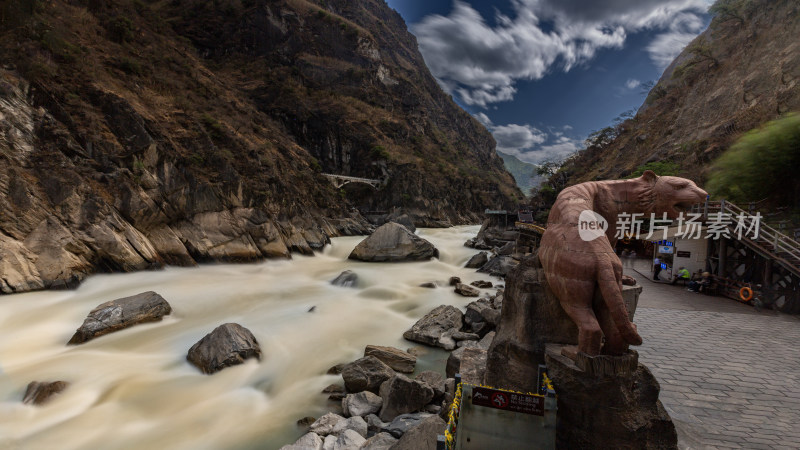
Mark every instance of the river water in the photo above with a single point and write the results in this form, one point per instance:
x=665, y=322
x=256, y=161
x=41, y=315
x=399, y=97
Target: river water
x=135, y=389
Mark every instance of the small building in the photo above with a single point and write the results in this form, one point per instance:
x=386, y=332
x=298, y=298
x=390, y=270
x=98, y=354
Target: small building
x=678, y=251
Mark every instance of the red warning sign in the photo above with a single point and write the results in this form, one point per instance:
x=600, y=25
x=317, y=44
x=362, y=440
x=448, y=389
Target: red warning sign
x=509, y=401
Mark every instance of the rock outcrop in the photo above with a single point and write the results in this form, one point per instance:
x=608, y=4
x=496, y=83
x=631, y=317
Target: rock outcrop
x=228, y=345
x=393, y=242
x=610, y=410
x=122, y=313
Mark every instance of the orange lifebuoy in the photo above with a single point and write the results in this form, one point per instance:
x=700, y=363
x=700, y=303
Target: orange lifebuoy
x=745, y=294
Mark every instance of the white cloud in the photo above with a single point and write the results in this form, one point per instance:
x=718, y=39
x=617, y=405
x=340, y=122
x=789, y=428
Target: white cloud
x=515, y=137
x=665, y=47
x=632, y=84
x=482, y=63
x=529, y=143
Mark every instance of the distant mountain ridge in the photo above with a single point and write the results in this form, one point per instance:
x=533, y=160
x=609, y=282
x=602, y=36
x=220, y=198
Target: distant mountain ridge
x=524, y=173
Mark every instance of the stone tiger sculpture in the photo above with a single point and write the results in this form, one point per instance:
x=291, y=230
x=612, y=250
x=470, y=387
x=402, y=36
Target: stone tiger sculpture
x=574, y=267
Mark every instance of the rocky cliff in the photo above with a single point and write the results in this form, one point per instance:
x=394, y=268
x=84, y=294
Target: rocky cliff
x=137, y=133
x=743, y=71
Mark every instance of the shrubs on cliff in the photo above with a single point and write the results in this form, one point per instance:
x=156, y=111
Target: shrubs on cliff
x=761, y=164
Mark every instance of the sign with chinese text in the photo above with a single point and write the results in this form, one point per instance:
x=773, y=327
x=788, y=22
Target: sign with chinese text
x=509, y=401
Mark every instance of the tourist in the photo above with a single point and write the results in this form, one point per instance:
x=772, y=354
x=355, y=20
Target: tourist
x=683, y=274
x=656, y=268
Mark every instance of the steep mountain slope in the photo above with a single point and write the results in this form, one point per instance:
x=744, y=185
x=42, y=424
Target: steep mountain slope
x=138, y=133
x=741, y=72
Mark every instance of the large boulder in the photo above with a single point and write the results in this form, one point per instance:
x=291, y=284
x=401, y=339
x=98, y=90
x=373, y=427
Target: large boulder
x=477, y=261
x=395, y=358
x=366, y=374
x=39, y=392
x=393, y=242
x=228, y=345
x=361, y=404
x=437, y=327
x=402, y=395
x=121, y=313
x=422, y=436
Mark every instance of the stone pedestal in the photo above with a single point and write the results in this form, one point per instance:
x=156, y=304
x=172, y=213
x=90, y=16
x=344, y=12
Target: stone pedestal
x=532, y=316
x=612, y=403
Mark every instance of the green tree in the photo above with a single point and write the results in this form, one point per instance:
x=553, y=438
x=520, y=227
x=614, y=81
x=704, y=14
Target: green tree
x=761, y=164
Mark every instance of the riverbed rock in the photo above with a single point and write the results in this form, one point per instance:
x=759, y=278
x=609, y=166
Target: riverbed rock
x=481, y=284
x=348, y=278
x=428, y=285
x=404, y=422
x=308, y=441
x=121, y=313
x=499, y=266
x=349, y=440
x=366, y=374
x=393, y=357
x=361, y=404
x=466, y=290
x=393, y=242
x=477, y=261
x=437, y=327
x=402, y=395
x=325, y=424
x=381, y=441
x=454, y=281
x=228, y=345
x=355, y=423
x=39, y=392
x=433, y=379
x=423, y=435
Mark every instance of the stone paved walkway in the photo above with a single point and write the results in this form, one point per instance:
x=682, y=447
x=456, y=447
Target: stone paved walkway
x=730, y=376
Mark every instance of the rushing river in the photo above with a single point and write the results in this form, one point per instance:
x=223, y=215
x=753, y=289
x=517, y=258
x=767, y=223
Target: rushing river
x=135, y=389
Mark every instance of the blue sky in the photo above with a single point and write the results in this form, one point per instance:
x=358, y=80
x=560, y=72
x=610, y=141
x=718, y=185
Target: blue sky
x=543, y=74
